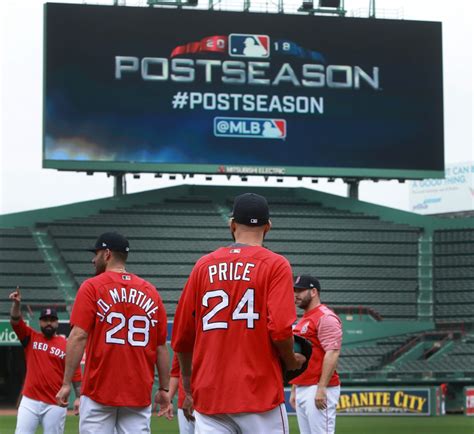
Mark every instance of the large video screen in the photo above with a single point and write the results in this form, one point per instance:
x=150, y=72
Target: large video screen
x=168, y=90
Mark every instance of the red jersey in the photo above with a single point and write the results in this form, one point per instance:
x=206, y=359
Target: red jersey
x=323, y=328
x=176, y=372
x=126, y=322
x=45, y=362
x=236, y=301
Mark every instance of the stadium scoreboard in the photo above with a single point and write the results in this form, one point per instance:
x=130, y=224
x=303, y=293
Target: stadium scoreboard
x=191, y=91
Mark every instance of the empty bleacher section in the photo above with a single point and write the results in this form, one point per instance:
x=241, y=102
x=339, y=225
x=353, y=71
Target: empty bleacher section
x=448, y=355
x=22, y=264
x=364, y=358
x=410, y=357
x=454, y=276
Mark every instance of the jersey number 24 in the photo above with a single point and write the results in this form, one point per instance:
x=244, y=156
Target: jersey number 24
x=239, y=313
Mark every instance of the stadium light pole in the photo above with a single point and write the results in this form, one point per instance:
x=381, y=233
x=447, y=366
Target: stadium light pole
x=120, y=184
x=352, y=188
x=372, y=9
x=281, y=9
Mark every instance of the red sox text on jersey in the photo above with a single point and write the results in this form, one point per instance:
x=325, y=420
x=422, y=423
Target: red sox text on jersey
x=43, y=346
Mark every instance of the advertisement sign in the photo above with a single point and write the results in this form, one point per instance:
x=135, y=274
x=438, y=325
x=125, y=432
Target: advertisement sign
x=385, y=402
x=453, y=193
x=469, y=401
x=154, y=89
x=7, y=335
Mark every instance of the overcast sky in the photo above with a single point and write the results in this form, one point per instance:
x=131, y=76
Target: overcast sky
x=25, y=185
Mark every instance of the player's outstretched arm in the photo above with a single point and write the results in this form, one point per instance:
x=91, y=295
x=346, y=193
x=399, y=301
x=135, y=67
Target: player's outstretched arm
x=75, y=346
x=15, y=310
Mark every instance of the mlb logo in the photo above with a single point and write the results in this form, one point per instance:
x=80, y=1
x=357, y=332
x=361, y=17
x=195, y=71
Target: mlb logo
x=235, y=251
x=244, y=45
x=274, y=129
x=125, y=277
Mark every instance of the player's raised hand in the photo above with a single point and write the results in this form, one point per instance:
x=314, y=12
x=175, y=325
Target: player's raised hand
x=15, y=296
x=62, y=397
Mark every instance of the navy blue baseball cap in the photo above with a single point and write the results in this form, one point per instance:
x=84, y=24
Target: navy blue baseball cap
x=305, y=281
x=112, y=241
x=48, y=312
x=251, y=209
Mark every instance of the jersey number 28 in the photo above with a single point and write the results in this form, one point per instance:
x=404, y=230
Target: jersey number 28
x=141, y=331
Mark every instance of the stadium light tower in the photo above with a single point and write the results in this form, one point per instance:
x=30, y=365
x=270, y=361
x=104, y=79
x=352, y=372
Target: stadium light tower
x=177, y=3
x=330, y=7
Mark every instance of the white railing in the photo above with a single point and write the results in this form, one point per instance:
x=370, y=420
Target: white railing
x=395, y=14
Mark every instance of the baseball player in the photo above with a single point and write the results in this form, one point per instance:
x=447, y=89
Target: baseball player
x=185, y=426
x=45, y=358
x=316, y=391
x=121, y=319
x=233, y=324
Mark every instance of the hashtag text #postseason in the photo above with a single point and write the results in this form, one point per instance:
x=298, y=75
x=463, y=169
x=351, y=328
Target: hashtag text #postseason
x=248, y=102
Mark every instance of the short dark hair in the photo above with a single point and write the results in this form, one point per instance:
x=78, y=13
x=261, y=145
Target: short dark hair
x=121, y=256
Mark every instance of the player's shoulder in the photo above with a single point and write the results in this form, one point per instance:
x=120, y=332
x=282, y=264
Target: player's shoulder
x=326, y=310
x=204, y=260
x=272, y=258
x=327, y=315
x=144, y=285
x=94, y=281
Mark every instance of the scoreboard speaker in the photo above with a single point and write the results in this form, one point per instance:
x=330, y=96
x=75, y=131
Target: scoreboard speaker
x=330, y=4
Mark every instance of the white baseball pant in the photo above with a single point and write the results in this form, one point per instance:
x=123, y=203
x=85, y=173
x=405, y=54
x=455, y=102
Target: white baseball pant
x=311, y=420
x=274, y=421
x=32, y=413
x=185, y=426
x=95, y=418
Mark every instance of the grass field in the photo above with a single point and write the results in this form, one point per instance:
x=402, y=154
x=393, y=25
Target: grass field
x=345, y=425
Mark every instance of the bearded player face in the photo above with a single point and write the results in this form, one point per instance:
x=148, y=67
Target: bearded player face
x=303, y=298
x=49, y=326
